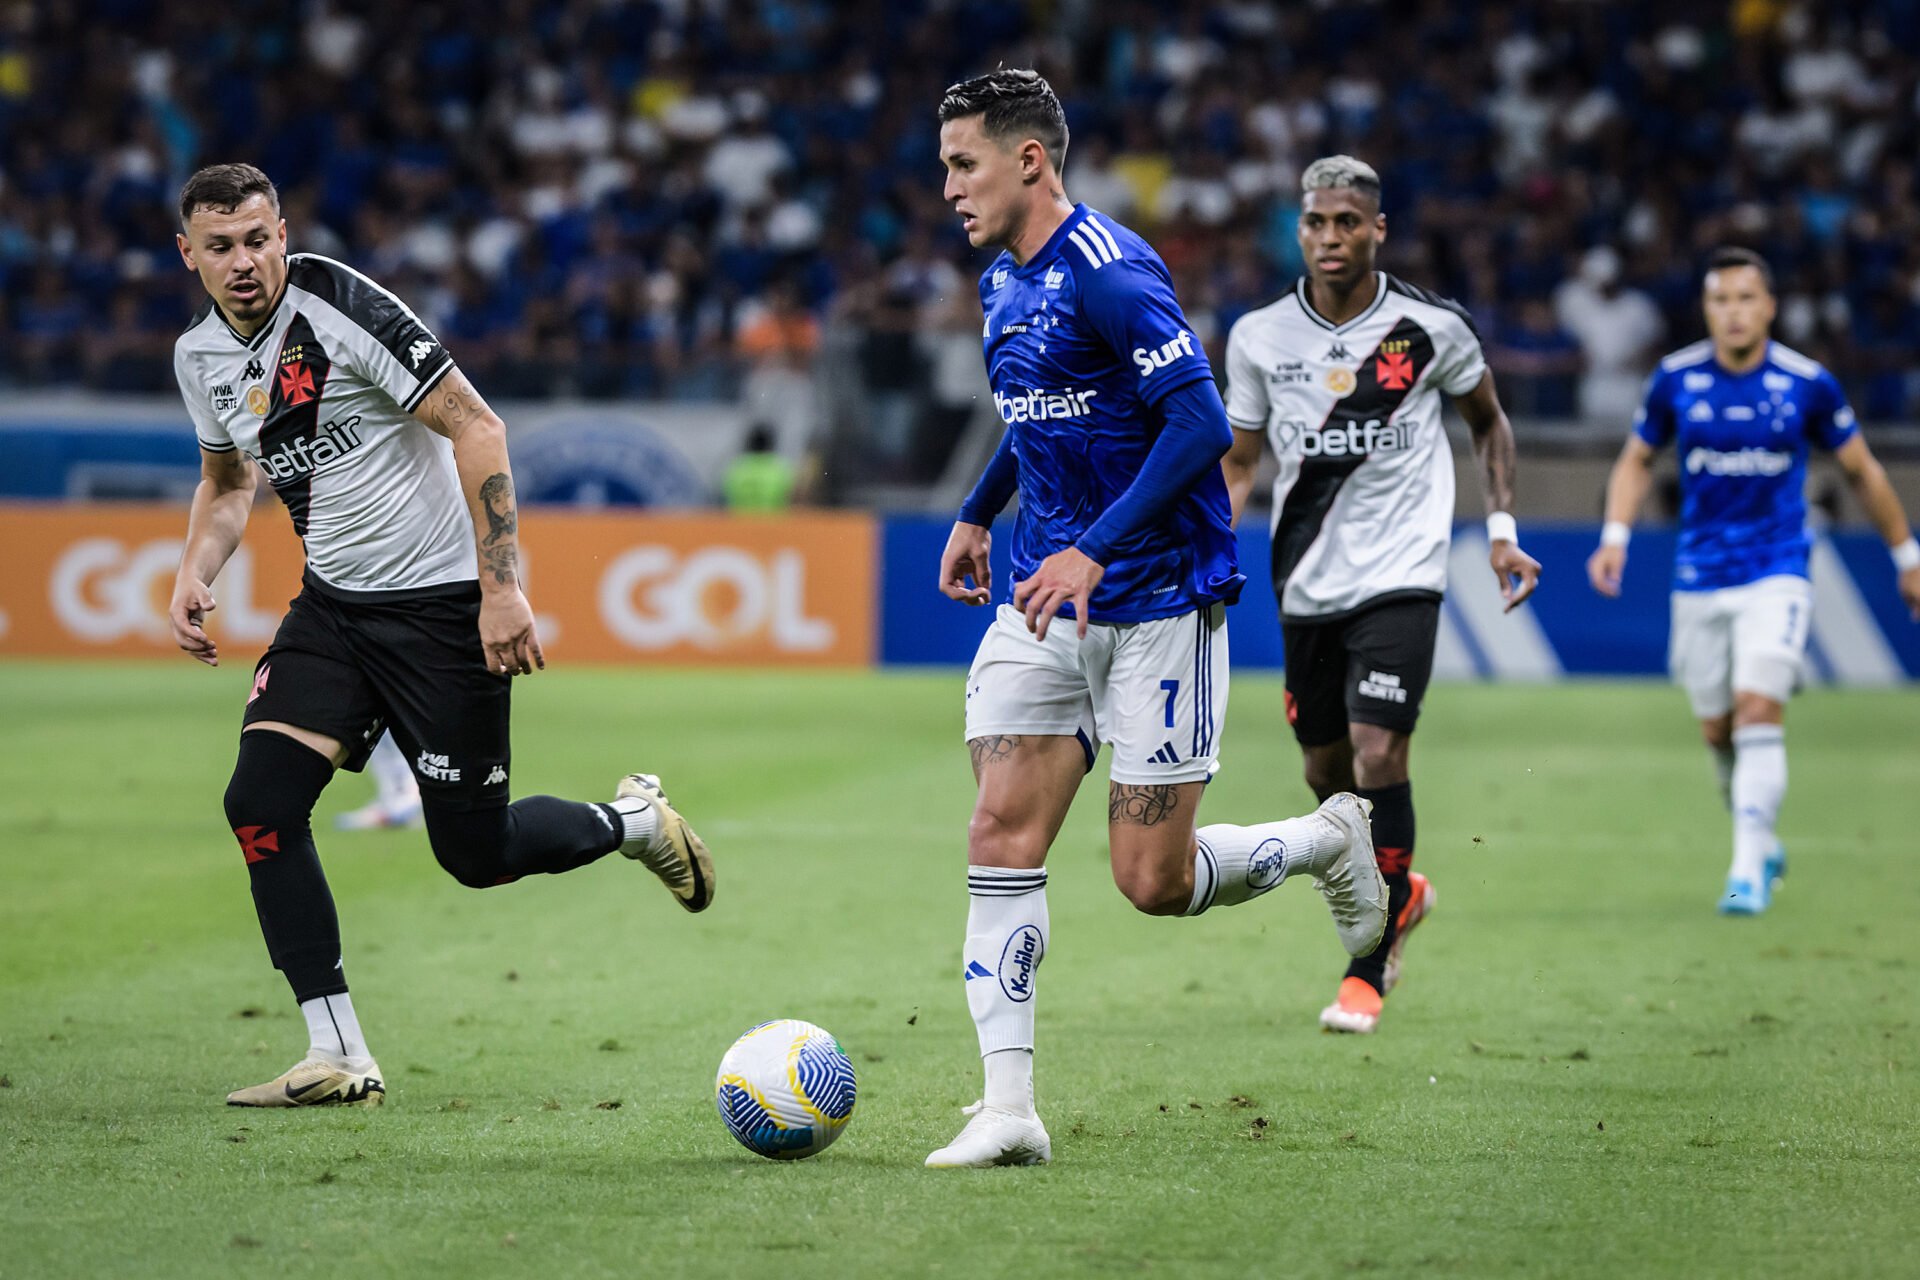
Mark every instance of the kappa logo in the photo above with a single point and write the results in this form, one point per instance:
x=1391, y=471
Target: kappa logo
x=496, y=775
x=254, y=370
x=418, y=351
x=430, y=765
x=1338, y=352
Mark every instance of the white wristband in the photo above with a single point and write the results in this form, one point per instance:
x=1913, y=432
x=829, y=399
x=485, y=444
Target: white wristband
x=1501, y=528
x=1907, y=555
x=1616, y=533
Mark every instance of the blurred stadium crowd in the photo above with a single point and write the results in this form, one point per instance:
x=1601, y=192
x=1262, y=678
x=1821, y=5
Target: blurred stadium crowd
x=678, y=198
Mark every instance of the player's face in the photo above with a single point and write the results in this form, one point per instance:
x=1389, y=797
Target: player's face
x=1340, y=231
x=241, y=257
x=1739, y=307
x=984, y=182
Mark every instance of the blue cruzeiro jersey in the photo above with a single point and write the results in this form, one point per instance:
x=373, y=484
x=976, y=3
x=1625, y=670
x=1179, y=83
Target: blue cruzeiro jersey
x=1081, y=342
x=1742, y=441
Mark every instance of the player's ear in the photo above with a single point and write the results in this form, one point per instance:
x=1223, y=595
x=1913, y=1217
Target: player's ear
x=1033, y=161
x=186, y=250
x=1379, y=228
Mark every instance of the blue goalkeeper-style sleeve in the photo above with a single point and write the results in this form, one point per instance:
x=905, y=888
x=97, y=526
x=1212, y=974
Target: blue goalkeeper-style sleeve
x=995, y=486
x=1194, y=436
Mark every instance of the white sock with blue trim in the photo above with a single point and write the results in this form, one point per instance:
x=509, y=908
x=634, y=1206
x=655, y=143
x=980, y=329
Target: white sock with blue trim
x=1759, y=785
x=1232, y=865
x=1007, y=934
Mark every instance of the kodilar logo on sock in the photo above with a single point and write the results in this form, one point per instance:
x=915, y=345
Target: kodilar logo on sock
x=1267, y=865
x=1018, y=960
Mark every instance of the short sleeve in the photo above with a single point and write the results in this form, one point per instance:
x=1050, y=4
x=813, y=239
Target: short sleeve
x=1830, y=420
x=1130, y=303
x=1653, y=420
x=1462, y=363
x=207, y=428
x=1247, y=403
x=387, y=345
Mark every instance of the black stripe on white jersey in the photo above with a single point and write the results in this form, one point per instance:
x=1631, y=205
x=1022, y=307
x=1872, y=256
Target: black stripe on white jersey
x=1304, y=513
x=293, y=416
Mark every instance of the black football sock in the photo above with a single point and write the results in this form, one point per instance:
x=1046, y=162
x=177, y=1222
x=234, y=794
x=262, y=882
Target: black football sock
x=1393, y=846
x=538, y=835
x=270, y=808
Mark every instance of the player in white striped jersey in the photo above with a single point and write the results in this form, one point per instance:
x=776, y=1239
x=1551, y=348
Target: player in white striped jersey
x=1344, y=377
x=396, y=474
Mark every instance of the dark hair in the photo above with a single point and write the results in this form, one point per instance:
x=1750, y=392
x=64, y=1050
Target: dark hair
x=1729, y=256
x=225, y=187
x=1015, y=104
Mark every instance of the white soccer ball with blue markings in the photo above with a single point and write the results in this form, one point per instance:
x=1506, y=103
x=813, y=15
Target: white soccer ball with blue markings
x=785, y=1089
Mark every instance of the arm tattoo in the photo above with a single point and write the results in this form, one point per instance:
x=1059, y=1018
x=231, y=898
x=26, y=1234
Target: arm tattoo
x=499, y=552
x=990, y=750
x=1142, y=805
x=458, y=402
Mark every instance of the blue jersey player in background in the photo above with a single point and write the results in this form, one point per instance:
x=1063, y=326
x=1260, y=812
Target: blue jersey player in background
x=1742, y=413
x=1124, y=564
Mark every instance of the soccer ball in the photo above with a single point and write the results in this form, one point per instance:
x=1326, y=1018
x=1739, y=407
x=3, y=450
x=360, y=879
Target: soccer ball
x=785, y=1089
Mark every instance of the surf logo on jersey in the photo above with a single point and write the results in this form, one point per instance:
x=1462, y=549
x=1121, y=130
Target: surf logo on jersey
x=1037, y=405
x=1356, y=439
x=303, y=455
x=1739, y=462
x=1149, y=362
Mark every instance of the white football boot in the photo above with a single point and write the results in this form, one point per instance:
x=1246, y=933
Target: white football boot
x=1349, y=877
x=995, y=1137
x=317, y=1080
x=675, y=854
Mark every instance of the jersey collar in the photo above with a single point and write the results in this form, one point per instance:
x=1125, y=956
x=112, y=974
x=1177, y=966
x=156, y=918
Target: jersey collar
x=1379, y=296
x=266, y=326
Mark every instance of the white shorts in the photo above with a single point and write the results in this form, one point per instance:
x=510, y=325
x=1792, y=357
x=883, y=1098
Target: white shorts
x=1751, y=638
x=1156, y=690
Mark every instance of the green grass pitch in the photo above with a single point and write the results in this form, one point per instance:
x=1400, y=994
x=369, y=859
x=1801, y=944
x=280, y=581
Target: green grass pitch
x=1585, y=1073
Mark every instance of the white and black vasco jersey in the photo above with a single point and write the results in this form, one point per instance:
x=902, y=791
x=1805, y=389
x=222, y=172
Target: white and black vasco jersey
x=322, y=398
x=1363, y=506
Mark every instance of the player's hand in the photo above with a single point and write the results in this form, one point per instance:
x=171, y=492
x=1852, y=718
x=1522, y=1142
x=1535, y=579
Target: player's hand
x=966, y=556
x=507, y=634
x=192, y=602
x=1910, y=590
x=1510, y=562
x=1604, y=568
x=1065, y=575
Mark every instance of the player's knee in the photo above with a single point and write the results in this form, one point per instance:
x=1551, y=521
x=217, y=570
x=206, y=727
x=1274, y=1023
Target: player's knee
x=1323, y=778
x=1717, y=732
x=995, y=839
x=275, y=783
x=1380, y=761
x=469, y=845
x=1155, y=891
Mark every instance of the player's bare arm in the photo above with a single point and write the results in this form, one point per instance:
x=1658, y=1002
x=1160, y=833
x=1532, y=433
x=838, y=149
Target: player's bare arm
x=1869, y=481
x=222, y=502
x=1240, y=466
x=456, y=411
x=1493, y=445
x=1627, y=487
x=966, y=557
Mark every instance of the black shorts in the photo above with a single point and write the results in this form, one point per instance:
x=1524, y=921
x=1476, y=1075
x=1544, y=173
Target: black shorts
x=1369, y=667
x=352, y=668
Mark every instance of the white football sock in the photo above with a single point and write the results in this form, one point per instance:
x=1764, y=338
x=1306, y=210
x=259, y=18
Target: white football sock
x=1232, y=865
x=1759, y=784
x=332, y=1028
x=1723, y=758
x=1007, y=936
x=393, y=778
x=640, y=823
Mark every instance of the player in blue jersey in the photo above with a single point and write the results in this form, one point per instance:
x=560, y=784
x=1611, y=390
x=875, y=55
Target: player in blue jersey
x=1742, y=413
x=1124, y=563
